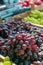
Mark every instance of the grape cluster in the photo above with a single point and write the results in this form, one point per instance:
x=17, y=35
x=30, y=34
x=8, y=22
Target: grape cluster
x=19, y=39
x=25, y=45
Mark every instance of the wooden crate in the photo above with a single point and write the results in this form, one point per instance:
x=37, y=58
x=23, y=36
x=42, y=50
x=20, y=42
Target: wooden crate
x=21, y=16
x=40, y=8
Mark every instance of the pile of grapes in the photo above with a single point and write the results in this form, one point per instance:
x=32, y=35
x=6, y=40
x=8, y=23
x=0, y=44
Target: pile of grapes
x=35, y=17
x=21, y=40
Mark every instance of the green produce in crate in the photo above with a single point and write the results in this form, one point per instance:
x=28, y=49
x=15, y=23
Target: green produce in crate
x=35, y=17
x=41, y=22
x=36, y=14
x=1, y=63
x=7, y=61
x=7, y=58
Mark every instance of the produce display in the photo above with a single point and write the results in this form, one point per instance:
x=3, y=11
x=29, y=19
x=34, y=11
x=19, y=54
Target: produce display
x=27, y=3
x=21, y=41
x=35, y=17
x=6, y=61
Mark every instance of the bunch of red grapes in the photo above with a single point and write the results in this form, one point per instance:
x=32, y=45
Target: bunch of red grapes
x=22, y=40
x=25, y=46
